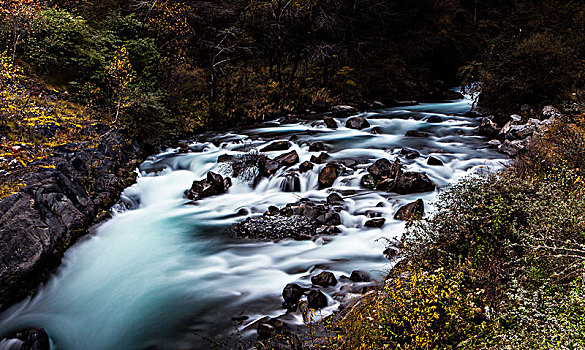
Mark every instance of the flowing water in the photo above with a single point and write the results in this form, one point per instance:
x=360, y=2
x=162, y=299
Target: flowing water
x=156, y=274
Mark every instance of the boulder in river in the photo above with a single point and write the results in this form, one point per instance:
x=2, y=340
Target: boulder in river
x=487, y=128
x=411, y=182
x=287, y=159
x=393, y=179
x=328, y=175
x=330, y=122
x=32, y=339
x=276, y=334
x=291, y=294
x=359, y=276
x=416, y=133
x=381, y=167
x=343, y=110
x=434, y=161
x=409, y=153
x=321, y=158
x=316, y=299
x=276, y=146
x=335, y=198
x=305, y=166
x=357, y=123
x=434, y=119
x=411, y=211
x=324, y=279
x=214, y=184
x=317, y=146
x=376, y=222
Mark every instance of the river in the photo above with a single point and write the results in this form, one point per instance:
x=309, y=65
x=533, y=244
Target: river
x=159, y=272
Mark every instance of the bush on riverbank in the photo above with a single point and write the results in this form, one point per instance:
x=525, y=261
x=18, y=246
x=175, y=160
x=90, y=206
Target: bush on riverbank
x=499, y=265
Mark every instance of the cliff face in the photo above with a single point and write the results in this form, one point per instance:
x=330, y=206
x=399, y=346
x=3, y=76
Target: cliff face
x=56, y=207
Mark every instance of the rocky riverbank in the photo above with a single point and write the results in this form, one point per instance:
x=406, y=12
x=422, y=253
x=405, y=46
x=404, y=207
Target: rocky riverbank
x=57, y=206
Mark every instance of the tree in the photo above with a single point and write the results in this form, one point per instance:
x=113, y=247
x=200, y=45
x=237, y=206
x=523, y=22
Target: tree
x=121, y=76
x=17, y=17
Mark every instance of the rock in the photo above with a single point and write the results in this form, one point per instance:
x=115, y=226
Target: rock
x=214, y=184
x=317, y=147
x=411, y=211
x=328, y=175
x=327, y=230
x=240, y=318
x=305, y=166
x=494, y=143
x=416, y=133
x=350, y=163
x=487, y=128
x=434, y=161
x=359, y=276
x=409, y=153
x=276, y=146
x=380, y=168
x=269, y=167
x=378, y=104
x=513, y=148
x=434, y=119
x=376, y=130
x=33, y=339
x=335, y=198
x=550, y=112
x=292, y=293
x=411, y=182
x=343, y=110
x=242, y=212
x=316, y=299
x=224, y=158
x=357, y=123
x=404, y=103
x=377, y=222
x=324, y=279
x=275, y=227
x=368, y=181
x=287, y=159
x=330, y=122
x=320, y=159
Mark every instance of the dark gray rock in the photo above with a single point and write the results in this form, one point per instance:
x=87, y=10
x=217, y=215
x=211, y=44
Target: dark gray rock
x=330, y=122
x=434, y=161
x=335, y=198
x=276, y=146
x=322, y=158
x=416, y=133
x=359, y=276
x=33, y=339
x=411, y=211
x=287, y=159
x=292, y=293
x=214, y=184
x=380, y=168
x=376, y=222
x=434, y=119
x=324, y=279
x=316, y=299
x=317, y=147
x=409, y=153
x=357, y=123
x=411, y=182
x=276, y=227
x=487, y=128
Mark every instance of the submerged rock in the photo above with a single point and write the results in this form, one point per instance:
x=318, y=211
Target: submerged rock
x=416, y=133
x=324, y=279
x=330, y=122
x=411, y=211
x=317, y=147
x=328, y=175
x=276, y=146
x=357, y=123
x=434, y=119
x=214, y=184
x=409, y=153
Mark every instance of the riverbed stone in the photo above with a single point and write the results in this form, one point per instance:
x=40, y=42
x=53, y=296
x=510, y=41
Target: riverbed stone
x=434, y=119
x=276, y=146
x=316, y=299
x=410, y=211
x=292, y=293
x=434, y=161
x=416, y=133
x=287, y=159
x=412, y=182
x=375, y=223
x=357, y=123
x=324, y=279
x=328, y=175
x=214, y=184
x=359, y=276
x=305, y=166
x=380, y=168
x=409, y=153
x=330, y=122
x=317, y=147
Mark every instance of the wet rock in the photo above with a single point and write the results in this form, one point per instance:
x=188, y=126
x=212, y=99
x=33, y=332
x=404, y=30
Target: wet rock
x=316, y=299
x=335, y=198
x=224, y=158
x=328, y=230
x=513, y=148
x=324, y=279
x=380, y=168
x=287, y=159
x=368, y=181
x=376, y=223
x=376, y=130
x=269, y=167
x=305, y=166
x=487, y=128
x=416, y=133
x=292, y=293
x=328, y=175
x=329, y=218
x=214, y=184
x=276, y=146
x=409, y=153
x=33, y=339
x=322, y=158
x=350, y=163
x=357, y=123
x=330, y=122
x=434, y=161
x=317, y=147
x=411, y=182
x=275, y=227
x=359, y=276
x=343, y=110
x=434, y=119
x=411, y=211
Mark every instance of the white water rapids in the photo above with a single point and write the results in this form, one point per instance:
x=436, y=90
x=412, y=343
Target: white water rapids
x=153, y=275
